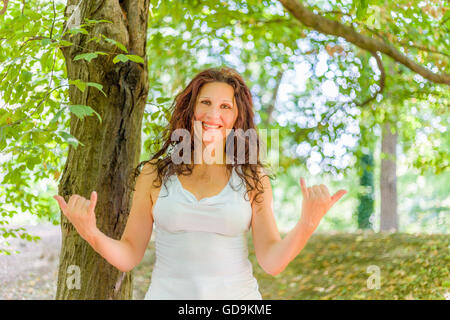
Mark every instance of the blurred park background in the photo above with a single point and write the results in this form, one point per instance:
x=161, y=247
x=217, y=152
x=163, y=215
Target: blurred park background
x=365, y=109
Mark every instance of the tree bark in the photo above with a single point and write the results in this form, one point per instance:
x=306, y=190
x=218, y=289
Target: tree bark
x=111, y=148
x=388, y=179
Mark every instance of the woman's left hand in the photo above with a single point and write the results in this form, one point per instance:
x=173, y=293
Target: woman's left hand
x=316, y=203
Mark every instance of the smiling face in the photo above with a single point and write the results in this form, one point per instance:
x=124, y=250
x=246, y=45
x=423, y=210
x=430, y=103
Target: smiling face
x=215, y=111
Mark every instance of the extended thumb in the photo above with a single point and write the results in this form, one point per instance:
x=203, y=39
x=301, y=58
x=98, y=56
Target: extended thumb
x=93, y=199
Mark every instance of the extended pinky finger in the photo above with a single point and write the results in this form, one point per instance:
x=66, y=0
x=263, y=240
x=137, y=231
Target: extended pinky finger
x=304, y=188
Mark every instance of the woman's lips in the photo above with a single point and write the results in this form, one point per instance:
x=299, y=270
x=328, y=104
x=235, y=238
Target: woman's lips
x=209, y=128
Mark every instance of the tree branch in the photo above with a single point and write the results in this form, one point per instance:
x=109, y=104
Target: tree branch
x=274, y=98
x=338, y=29
x=382, y=80
x=5, y=5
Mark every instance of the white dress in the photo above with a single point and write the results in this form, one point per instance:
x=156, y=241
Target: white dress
x=201, y=246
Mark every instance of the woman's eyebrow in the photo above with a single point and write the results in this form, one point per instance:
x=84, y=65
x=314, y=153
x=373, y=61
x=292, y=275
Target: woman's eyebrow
x=222, y=100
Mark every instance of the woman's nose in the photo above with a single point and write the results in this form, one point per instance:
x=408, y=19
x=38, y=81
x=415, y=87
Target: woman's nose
x=214, y=112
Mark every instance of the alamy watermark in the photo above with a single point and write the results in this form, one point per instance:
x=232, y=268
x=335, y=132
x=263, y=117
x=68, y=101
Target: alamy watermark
x=74, y=19
x=247, y=150
x=374, y=280
x=73, y=281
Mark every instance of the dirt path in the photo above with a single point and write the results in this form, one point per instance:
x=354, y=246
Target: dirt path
x=32, y=273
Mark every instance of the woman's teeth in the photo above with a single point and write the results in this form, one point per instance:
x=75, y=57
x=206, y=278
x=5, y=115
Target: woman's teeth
x=210, y=126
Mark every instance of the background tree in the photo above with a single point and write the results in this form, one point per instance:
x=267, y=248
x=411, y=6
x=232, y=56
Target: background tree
x=367, y=195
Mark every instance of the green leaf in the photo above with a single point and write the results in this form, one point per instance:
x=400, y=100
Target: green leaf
x=57, y=116
x=162, y=99
x=45, y=42
x=116, y=43
x=47, y=60
x=86, y=56
x=79, y=84
x=96, y=39
x=81, y=111
x=69, y=138
x=120, y=57
x=23, y=74
x=66, y=136
x=2, y=139
x=82, y=85
x=361, y=9
x=78, y=30
x=32, y=162
x=39, y=137
x=101, y=53
x=135, y=58
x=65, y=43
x=154, y=115
x=96, y=21
x=96, y=85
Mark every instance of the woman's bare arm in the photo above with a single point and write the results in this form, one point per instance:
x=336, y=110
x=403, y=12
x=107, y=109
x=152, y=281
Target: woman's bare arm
x=126, y=253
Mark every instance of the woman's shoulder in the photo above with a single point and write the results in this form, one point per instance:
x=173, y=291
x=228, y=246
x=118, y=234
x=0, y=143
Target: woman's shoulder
x=149, y=167
x=148, y=177
x=149, y=173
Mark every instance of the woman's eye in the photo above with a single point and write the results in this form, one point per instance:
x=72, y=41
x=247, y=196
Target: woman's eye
x=226, y=105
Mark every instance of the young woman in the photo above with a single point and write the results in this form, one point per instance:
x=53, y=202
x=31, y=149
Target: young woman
x=214, y=191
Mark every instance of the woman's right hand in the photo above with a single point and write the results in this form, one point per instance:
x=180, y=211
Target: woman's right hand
x=80, y=212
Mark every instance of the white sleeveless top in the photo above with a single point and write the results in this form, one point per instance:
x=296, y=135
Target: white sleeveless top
x=201, y=246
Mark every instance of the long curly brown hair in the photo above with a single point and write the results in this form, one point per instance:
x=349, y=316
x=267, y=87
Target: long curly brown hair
x=181, y=118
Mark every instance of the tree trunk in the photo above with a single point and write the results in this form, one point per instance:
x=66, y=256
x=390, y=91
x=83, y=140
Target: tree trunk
x=388, y=179
x=111, y=148
x=366, y=195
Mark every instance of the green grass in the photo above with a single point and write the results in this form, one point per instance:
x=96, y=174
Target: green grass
x=334, y=266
